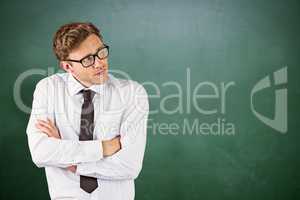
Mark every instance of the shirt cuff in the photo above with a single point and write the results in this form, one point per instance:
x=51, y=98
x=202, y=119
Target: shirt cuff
x=85, y=168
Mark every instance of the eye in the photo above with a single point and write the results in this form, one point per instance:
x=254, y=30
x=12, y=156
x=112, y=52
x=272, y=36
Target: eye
x=103, y=53
x=88, y=60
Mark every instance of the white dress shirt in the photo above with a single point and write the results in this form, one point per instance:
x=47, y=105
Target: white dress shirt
x=121, y=108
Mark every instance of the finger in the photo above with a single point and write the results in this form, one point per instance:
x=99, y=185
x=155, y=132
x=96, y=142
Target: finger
x=51, y=123
x=39, y=125
x=44, y=123
x=44, y=129
x=53, y=127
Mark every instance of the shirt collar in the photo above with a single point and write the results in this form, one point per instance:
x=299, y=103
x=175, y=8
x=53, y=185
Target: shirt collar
x=74, y=86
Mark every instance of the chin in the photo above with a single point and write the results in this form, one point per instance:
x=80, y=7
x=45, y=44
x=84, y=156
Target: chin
x=100, y=79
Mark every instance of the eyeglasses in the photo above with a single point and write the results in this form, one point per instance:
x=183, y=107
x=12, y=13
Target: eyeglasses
x=89, y=60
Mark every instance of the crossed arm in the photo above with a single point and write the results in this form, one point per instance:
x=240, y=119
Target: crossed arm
x=119, y=158
x=109, y=147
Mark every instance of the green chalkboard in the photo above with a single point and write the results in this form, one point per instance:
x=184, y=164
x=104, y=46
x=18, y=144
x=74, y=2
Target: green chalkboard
x=223, y=84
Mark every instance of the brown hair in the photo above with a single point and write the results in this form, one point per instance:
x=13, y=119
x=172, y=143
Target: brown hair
x=69, y=36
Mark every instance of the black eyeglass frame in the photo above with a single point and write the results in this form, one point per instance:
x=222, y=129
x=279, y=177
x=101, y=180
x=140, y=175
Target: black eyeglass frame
x=94, y=55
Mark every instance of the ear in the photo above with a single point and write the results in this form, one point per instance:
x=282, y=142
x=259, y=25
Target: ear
x=66, y=66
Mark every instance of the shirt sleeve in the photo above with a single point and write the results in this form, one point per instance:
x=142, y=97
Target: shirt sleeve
x=48, y=151
x=126, y=163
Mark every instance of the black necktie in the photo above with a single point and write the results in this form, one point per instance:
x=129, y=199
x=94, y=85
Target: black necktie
x=88, y=184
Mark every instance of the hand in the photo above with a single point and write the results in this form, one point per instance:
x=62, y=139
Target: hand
x=48, y=127
x=112, y=146
x=72, y=168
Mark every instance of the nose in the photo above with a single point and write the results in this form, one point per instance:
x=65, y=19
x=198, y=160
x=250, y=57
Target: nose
x=98, y=62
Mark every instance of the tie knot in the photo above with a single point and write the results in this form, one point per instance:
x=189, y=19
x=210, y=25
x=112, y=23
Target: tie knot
x=88, y=95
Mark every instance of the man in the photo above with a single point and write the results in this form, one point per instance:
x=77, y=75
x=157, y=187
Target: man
x=87, y=128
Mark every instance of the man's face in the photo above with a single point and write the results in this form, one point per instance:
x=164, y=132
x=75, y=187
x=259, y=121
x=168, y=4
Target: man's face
x=95, y=74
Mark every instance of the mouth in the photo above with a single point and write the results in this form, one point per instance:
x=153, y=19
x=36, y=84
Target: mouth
x=100, y=73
